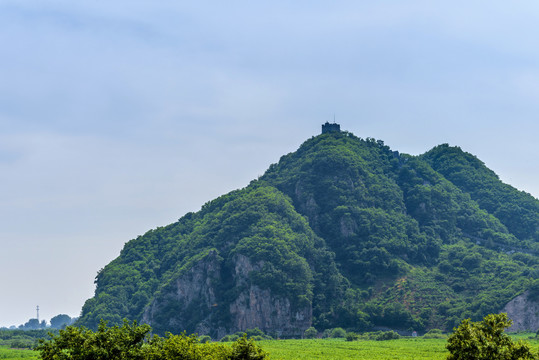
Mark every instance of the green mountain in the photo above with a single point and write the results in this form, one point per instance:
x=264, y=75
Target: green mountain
x=344, y=232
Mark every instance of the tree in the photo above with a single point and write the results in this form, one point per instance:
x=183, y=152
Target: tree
x=107, y=343
x=246, y=349
x=60, y=321
x=132, y=341
x=338, y=333
x=486, y=340
x=310, y=333
x=33, y=324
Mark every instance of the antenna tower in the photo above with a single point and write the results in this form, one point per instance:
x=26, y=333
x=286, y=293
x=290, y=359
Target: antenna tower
x=37, y=310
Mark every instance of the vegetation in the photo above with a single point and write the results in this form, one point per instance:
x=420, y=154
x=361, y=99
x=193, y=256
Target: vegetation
x=114, y=342
x=21, y=339
x=344, y=226
x=132, y=341
x=7, y=353
x=60, y=321
x=339, y=349
x=486, y=340
x=515, y=209
x=310, y=333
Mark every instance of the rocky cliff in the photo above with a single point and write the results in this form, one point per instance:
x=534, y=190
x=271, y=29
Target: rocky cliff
x=189, y=299
x=524, y=312
x=260, y=308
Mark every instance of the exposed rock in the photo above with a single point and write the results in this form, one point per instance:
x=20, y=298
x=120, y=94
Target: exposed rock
x=259, y=308
x=307, y=204
x=348, y=227
x=524, y=313
x=195, y=290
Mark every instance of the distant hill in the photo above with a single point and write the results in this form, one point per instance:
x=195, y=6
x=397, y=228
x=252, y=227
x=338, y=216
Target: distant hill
x=344, y=232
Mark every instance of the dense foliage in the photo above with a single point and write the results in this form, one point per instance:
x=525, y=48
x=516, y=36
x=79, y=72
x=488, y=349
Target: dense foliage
x=133, y=342
x=486, y=340
x=22, y=339
x=360, y=234
x=517, y=210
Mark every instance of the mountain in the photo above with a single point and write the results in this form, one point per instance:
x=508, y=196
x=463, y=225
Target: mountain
x=344, y=232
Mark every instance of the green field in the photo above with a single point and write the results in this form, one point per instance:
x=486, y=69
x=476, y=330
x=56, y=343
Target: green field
x=329, y=349
x=332, y=349
x=12, y=354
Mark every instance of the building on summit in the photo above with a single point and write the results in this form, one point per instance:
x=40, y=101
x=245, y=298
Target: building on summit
x=329, y=128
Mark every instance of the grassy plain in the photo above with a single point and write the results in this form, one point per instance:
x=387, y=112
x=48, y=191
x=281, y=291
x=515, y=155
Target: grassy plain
x=15, y=354
x=332, y=349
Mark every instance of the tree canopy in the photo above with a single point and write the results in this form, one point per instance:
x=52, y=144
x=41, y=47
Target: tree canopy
x=486, y=340
x=132, y=341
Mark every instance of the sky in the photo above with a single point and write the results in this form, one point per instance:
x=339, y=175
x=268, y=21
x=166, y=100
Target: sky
x=117, y=117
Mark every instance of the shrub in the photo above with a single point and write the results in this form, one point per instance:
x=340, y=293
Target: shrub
x=352, y=336
x=338, y=333
x=310, y=333
x=434, y=334
x=204, y=339
x=19, y=344
x=254, y=332
x=387, y=335
x=131, y=341
x=486, y=340
x=244, y=349
x=230, y=338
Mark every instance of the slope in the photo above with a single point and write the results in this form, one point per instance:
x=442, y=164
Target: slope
x=342, y=232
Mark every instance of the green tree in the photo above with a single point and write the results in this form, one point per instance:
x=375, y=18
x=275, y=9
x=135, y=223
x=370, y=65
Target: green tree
x=310, y=333
x=32, y=324
x=60, y=321
x=132, y=342
x=246, y=349
x=107, y=343
x=486, y=340
x=338, y=333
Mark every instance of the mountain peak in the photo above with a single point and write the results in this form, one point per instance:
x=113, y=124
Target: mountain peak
x=343, y=232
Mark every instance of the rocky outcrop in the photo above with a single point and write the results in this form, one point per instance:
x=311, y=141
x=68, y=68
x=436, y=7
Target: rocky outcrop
x=524, y=312
x=190, y=300
x=259, y=308
x=191, y=303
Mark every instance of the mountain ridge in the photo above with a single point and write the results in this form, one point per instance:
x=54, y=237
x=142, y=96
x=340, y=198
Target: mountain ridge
x=342, y=232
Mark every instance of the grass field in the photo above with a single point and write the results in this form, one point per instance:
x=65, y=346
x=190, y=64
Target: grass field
x=329, y=349
x=332, y=349
x=14, y=354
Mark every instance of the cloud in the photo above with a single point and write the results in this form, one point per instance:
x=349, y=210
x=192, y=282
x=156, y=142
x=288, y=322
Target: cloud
x=116, y=117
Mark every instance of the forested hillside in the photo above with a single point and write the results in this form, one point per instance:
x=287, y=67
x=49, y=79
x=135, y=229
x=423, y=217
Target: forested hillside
x=344, y=232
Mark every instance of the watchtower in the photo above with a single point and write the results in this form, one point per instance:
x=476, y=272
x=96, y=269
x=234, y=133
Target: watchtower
x=329, y=128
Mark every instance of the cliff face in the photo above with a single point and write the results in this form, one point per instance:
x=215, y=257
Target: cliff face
x=192, y=301
x=524, y=313
x=190, y=296
x=259, y=308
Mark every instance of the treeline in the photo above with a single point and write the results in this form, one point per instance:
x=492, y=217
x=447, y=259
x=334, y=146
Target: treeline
x=134, y=342
x=57, y=322
x=23, y=339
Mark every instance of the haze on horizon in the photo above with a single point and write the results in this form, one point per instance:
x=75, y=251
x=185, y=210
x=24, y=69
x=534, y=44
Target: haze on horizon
x=120, y=117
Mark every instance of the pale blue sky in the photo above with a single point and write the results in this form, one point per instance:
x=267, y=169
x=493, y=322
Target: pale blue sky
x=118, y=117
